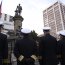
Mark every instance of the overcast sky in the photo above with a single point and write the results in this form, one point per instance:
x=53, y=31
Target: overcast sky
x=32, y=11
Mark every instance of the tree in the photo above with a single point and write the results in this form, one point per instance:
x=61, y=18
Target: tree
x=34, y=35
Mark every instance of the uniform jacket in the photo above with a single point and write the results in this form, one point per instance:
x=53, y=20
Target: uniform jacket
x=25, y=47
x=3, y=46
x=61, y=49
x=48, y=49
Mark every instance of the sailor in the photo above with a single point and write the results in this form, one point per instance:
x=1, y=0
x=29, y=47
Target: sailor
x=47, y=48
x=25, y=49
x=3, y=46
x=61, y=47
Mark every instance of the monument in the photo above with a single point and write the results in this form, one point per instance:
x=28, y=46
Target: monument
x=13, y=35
x=18, y=19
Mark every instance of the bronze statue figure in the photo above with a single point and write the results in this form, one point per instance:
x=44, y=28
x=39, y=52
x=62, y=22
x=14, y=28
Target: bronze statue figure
x=18, y=10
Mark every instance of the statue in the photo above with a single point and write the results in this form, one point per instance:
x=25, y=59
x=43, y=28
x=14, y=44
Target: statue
x=18, y=10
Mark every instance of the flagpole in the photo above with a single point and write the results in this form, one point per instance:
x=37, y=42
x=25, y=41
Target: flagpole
x=0, y=8
x=1, y=1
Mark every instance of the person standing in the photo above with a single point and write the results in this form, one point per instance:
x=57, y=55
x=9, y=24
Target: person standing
x=25, y=49
x=61, y=47
x=48, y=48
x=3, y=47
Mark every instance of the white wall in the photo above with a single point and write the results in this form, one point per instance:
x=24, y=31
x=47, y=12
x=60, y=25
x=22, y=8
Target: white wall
x=8, y=25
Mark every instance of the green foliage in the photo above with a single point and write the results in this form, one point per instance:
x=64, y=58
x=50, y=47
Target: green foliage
x=34, y=35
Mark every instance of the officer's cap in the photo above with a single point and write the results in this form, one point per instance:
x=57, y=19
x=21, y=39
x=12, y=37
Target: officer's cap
x=46, y=28
x=62, y=32
x=25, y=31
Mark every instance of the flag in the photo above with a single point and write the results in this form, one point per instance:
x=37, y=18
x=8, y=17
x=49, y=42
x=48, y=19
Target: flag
x=0, y=8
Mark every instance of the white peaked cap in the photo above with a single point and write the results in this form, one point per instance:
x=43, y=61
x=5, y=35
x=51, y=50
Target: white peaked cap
x=46, y=28
x=1, y=23
x=62, y=32
x=26, y=31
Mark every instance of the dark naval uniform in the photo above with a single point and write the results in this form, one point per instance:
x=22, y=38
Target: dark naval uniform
x=3, y=49
x=25, y=48
x=61, y=48
x=48, y=50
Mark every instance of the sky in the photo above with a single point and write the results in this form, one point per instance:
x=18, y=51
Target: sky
x=32, y=12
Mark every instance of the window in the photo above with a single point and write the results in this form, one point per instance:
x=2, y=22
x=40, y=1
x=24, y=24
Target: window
x=0, y=15
x=11, y=18
x=5, y=17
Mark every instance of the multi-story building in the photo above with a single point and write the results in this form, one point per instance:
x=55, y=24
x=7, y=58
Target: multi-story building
x=54, y=16
x=8, y=22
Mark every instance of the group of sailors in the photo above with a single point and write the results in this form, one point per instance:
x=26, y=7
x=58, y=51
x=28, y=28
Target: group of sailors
x=49, y=52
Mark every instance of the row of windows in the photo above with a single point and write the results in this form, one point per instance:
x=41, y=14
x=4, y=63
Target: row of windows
x=56, y=8
x=50, y=15
x=50, y=18
x=5, y=18
x=52, y=25
x=45, y=24
x=64, y=23
x=45, y=15
x=59, y=27
x=10, y=18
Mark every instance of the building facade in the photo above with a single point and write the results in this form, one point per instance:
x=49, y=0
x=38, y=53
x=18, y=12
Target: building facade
x=54, y=16
x=8, y=22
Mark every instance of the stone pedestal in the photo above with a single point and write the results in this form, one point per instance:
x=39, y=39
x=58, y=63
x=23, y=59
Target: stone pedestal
x=17, y=23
